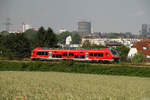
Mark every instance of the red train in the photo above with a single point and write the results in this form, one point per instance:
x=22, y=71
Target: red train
x=99, y=55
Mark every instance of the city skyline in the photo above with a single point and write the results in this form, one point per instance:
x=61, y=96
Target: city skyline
x=104, y=15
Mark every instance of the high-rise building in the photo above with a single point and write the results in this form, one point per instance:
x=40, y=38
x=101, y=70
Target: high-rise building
x=84, y=27
x=145, y=29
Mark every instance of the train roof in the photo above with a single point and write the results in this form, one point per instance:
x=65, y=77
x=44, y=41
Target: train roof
x=66, y=49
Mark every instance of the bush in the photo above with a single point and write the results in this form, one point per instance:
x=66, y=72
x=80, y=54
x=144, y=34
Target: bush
x=138, y=58
x=75, y=67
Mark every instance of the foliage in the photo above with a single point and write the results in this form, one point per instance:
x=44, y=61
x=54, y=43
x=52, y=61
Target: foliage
x=114, y=35
x=4, y=33
x=15, y=45
x=62, y=37
x=46, y=38
x=30, y=34
x=75, y=67
x=123, y=52
x=18, y=46
x=87, y=44
x=50, y=39
x=138, y=58
x=76, y=38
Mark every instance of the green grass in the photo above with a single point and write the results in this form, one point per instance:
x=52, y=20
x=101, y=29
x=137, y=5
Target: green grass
x=16, y=85
x=75, y=67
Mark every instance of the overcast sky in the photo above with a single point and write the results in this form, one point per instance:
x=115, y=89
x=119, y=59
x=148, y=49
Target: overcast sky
x=105, y=15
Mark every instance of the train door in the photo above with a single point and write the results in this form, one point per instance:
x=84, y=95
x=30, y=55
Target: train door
x=50, y=55
x=86, y=55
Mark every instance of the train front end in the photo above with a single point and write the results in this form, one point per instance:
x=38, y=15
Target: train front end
x=115, y=55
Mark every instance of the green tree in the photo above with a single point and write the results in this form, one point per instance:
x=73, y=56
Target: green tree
x=86, y=44
x=50, y=38
x=123, y=52
x=76, y=38
x=16, y=45
x=31, y=36
x=40, y=38
x=114, y=35
x=46, y=38
x=138, y=58
x=4, y=33
x=62, y=37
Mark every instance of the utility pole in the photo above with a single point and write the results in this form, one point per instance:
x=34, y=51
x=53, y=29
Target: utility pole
x=7, y=24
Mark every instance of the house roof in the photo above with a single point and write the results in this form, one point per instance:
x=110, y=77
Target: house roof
x=143, y=46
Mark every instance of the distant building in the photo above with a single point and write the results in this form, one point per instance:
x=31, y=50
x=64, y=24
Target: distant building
x=25, y=27
x=111, y=42
x=142, y=46
x=68, y=40
x=145, y=29
x=62, y=30
x=84, y=27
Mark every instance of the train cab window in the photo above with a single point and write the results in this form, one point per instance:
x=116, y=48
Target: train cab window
x=107, y=54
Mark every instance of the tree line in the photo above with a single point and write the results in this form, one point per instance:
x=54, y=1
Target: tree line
x=19, y=45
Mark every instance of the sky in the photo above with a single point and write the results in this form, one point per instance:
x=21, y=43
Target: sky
x=105, y=15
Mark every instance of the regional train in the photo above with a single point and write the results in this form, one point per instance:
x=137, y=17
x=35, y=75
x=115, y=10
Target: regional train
x=106, y=55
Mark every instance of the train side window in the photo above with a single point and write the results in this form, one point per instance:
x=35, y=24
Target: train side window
x=71, y=54
x=82, y=56
x=54, y=56
x=91, y=54
x=64, y=54
x=95, y=54
x=46, y=53
x=76, y=56
x=100, y=54
x=79, y=56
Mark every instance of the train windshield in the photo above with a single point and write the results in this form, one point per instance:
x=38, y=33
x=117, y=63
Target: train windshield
x=114, y=52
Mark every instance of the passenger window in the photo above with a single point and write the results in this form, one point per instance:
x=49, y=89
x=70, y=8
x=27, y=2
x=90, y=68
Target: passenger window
x=100, y=54
x=91, y=54
x=95, y=54
x=71, y=54
x=64, y=54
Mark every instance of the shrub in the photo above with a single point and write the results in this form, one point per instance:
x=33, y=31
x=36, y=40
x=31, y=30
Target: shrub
x=75, y=67
x=138, y=58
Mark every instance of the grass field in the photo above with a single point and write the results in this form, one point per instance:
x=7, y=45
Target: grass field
x=68, y=86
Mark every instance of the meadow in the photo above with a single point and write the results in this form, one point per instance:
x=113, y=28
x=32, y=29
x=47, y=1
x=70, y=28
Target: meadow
x=24, y=85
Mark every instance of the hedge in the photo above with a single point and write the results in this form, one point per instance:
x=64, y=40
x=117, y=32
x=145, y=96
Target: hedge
x=75, y=67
